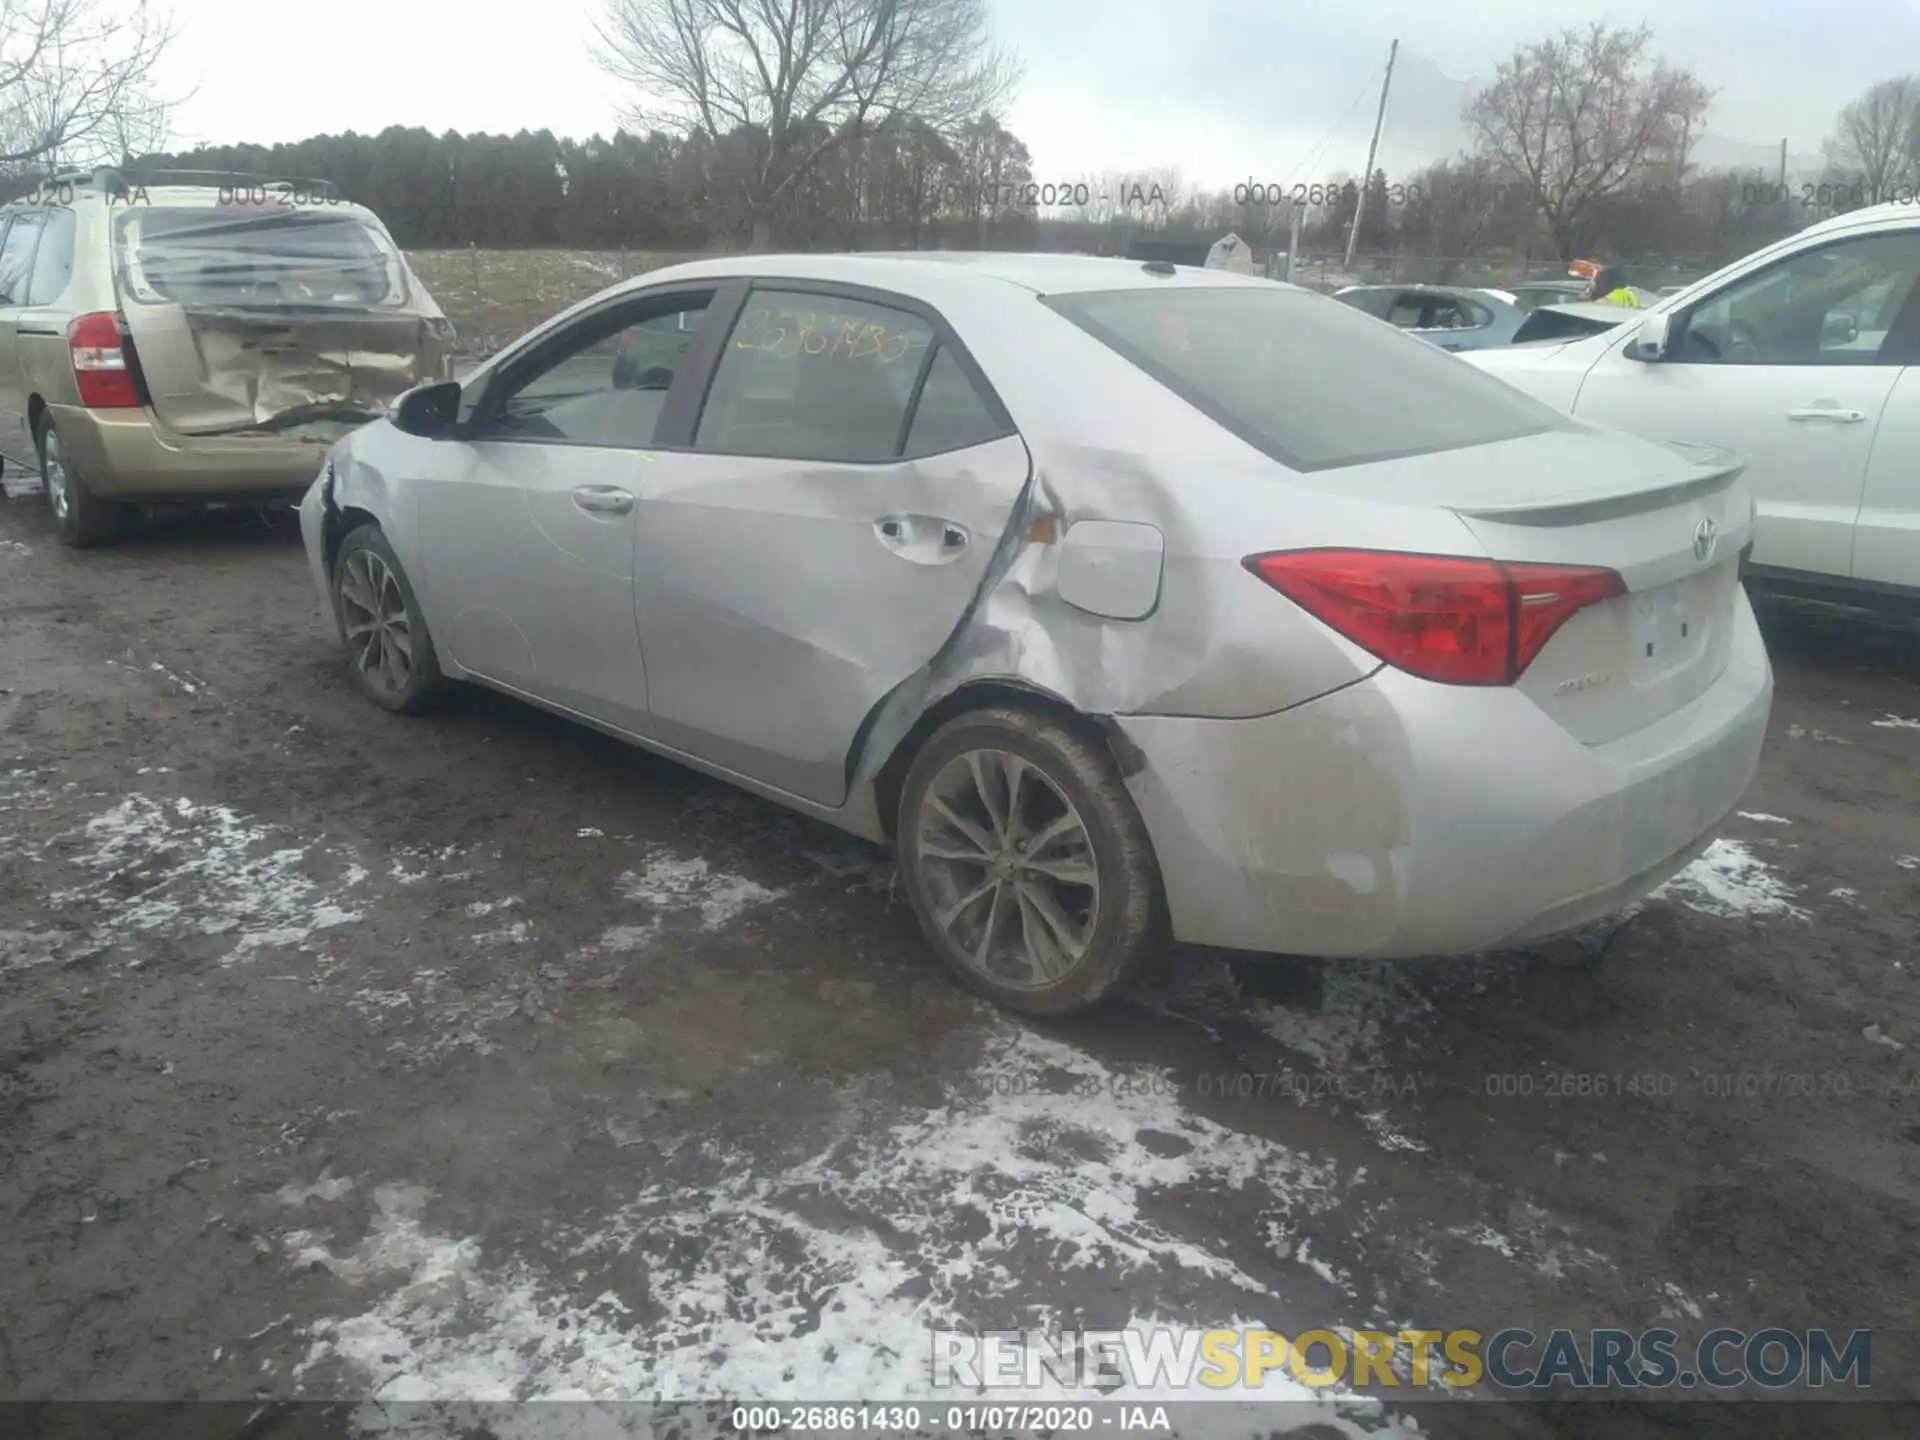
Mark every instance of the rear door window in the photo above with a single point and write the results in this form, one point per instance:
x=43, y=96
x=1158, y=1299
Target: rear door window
x=815, y=377
x=951, y=413
x=1304, y=378
x=53, y=263
x=16, y=255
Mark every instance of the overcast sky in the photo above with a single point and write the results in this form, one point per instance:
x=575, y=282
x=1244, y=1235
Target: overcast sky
x=1225, y=90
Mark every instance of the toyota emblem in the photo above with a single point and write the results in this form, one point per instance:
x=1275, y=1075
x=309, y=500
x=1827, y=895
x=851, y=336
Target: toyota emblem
x=1704, y=536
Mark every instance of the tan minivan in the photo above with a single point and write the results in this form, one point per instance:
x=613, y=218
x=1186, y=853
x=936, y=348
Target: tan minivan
x=172, y=336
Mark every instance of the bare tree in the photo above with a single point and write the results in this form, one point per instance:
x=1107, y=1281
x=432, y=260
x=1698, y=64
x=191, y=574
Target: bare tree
x=76, y=82
x=1878, y=136
x=804, y=77
x=1584, y=116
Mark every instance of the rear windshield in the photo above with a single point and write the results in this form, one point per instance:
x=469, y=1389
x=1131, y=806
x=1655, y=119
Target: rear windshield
x=256, y=259
x=1312, y=382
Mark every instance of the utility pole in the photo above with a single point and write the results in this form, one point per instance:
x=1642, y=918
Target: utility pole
x=1366, y=180
x=1293, y=242
x=1783, y=167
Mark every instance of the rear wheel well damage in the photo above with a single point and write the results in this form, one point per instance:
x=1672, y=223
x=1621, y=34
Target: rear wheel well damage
x=36, y=411
x=889, y=780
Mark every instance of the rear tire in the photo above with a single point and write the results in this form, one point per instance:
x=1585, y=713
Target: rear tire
x=1049, y=904
x=389, y=652
x=80, y=518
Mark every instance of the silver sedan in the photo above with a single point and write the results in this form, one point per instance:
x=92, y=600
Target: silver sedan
x=1129, y=604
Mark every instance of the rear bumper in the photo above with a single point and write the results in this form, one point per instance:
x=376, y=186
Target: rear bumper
x=124, y=455
x=1397, y=818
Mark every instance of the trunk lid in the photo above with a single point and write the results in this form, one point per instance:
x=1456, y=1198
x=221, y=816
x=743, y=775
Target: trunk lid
x=1669, y=518
x=270, y=320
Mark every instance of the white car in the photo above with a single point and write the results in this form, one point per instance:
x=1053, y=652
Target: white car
x=1801, y=357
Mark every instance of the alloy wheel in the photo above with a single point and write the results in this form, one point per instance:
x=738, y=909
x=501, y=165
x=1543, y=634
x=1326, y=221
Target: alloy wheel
x=373, y=618
x=53, y=478
x=1009, y=865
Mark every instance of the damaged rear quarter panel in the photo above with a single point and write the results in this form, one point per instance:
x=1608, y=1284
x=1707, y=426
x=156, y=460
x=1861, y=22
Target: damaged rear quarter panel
x=1108, y=443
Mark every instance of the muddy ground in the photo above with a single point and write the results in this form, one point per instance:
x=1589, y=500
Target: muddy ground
x=479, y=1057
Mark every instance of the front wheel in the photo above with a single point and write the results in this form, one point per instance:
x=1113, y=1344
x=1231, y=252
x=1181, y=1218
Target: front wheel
x=389, y=652
x=1028, y=863
x=80, y=519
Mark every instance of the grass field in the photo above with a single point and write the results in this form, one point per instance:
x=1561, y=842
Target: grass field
x=493, y=295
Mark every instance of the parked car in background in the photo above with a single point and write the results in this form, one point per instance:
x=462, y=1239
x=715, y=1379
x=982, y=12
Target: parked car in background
x=1129, y=602
x=1454, y=317
x=1569, y=320
x=169, y=336
x=1802, y=356
x=1530, y=294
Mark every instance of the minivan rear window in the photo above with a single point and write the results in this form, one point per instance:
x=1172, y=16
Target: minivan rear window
x=268, y=258
x=1310, y=381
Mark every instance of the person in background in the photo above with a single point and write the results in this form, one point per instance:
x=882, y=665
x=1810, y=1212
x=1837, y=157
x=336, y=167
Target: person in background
x=1610, y=288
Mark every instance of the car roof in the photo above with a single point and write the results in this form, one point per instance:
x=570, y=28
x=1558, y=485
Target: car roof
x=1892, y=212
x=919, y=272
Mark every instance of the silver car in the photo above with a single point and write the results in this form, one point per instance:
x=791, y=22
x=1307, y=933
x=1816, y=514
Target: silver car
x=1454, y=317
x=1130, y=604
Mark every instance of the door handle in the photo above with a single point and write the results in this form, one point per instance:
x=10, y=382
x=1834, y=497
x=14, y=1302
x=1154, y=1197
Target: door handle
x=1828, y=412
x=603, y=499
x=924, y=539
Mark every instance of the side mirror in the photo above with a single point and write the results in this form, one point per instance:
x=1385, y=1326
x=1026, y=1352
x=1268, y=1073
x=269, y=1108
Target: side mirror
x=1649, y=342
x=428, y=411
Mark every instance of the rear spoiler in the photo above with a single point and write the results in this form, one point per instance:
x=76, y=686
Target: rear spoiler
x=1720, y=471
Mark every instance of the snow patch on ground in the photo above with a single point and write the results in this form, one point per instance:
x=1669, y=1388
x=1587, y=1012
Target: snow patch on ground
x=451, y=1017
x=672, y=883
x=823, y=1277
x=174, y=868
x=1896, y=722
x=416, y=865
x=1730, y=881
x=1764, y=819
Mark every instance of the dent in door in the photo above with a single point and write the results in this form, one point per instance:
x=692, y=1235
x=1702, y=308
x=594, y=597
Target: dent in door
x=780, y=601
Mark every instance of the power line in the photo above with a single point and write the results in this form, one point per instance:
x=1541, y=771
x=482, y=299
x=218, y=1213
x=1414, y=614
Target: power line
x=1319, y=150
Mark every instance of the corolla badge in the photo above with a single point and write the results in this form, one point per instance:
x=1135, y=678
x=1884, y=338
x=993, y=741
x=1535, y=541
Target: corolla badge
x=1705, y=536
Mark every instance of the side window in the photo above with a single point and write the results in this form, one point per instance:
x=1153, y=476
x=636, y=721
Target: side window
x=814, y=377
x=1832, y=305
x=53, y=263
x=610, y=388
x=951, y=414
x=16, y=255
x=1454, y=315
x=1408, y=311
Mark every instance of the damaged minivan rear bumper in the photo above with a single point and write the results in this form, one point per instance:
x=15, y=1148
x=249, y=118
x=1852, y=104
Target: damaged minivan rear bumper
x=127, y=455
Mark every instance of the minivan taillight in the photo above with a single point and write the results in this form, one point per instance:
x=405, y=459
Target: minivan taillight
x=100, y=371
x=1441, y=617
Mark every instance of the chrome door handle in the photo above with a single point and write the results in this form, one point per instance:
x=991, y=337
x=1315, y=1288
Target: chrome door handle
x=1824, y=412
x=603, y=499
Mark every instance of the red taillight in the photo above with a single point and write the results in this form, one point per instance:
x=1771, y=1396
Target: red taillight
x=100, y=370
x=1459, y=621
